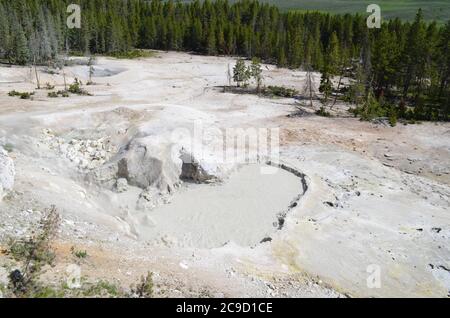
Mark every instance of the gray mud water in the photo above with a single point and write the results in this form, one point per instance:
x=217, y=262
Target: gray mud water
x=243, y=209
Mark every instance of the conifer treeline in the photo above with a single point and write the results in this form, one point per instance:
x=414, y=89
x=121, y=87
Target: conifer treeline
x=402, y=60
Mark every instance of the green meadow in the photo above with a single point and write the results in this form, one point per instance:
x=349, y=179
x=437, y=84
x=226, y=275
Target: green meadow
x=404, y=9
x=438, y=10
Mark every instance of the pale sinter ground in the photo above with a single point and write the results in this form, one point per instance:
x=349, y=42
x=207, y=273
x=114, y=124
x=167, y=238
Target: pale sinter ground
x=376, y=195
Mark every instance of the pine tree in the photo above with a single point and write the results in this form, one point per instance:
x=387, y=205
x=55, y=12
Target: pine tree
x=409, y=60
x=325, y=87
x=20, y=46
x=4, y=33
x=256, y=73
x=240, y=73
x=211, y=47
x=413, y=55
x=333, y=55
x=282, y=61
x=385, y=59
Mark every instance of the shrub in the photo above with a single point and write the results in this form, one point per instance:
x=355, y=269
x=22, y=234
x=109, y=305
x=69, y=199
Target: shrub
x=103, y=289
x=281, y=91
x=77, y=253
x=393, y=120
x=322, y=112
x=34, y=253
x=24, y=95
x=13, y=93
x=369, y=109
x=75, y=88
x=8, y=147
x=133, y=54
x=52, y=95
x=63, y=93
x=144, y=289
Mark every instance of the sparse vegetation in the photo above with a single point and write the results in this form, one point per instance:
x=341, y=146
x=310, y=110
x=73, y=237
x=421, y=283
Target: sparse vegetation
x=241, y=74
x=281, y=91
x=322, y=112
x=52, y=94
x=102, y=289
x=33, y=253
x=256, y=73
x=144, y=289
x=132, y=54
x=22, y=95
x=78, y=253
x=62, y=93
x=76, y=88
x=8, y=147
x=392, y=117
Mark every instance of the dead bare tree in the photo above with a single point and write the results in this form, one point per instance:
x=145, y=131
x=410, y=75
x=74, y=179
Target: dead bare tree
x=229, y=77
x=91, y=70
x=341, y=77
x=309, y=89
x=66, y=55
x=36, y=73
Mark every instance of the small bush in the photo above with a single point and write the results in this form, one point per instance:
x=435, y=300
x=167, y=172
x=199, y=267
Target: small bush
x=144, y=289
x=102, y=289
x=24, y=95
x=322, y=112
x=34, y=253
x=77, y=253
x=52, y=95
x=13, y=93
x=8, y=147
x=63, y=93
x=281, y=91
x=133, y=54
x=75, y=88
x=393, y=119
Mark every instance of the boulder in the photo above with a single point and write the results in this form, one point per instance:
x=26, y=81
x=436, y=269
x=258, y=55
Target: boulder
x=148, y=162
x=147, y=165
x=122, y=185
x=192, y=170
x=7, y=173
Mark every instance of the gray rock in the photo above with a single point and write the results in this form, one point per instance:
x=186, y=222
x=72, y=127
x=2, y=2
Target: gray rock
x=145, y=165
x=7, y=173
x=122, y=185
x=191, y=169
x=4, y=279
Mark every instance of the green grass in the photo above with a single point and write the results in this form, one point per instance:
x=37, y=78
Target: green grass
x=133, y=54
x=438, y=10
